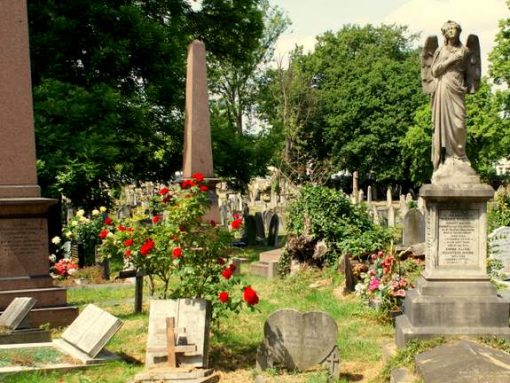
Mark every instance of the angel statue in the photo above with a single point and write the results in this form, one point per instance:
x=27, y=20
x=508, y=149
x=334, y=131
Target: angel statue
x=448, y=73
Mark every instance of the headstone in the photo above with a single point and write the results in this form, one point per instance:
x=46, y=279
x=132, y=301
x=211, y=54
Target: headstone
x=192, y=316
x=24, y=267
x=272, y=235
x=259, y=224
x=375, y=215
x=391, y=216
x=17, y=311
x=297, y=341
x=463, y=362
x=250, y=230
x=389, y=198
x=197, y=154
x=91, y=331
x=413, y=228
x=499, y=246
x=369, y=195
x=361, y=196
x=403, y=205
x=355, y=187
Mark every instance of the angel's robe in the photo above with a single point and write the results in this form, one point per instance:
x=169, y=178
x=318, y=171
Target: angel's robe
x=448, y=108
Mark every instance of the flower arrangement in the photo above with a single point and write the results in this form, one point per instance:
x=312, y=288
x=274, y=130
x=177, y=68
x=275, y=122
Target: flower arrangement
x=63, y=267
x=385, y=283
x=170, y=241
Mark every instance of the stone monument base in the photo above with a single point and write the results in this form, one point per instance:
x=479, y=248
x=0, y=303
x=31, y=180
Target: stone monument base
x=24, y=265
x=448, y=308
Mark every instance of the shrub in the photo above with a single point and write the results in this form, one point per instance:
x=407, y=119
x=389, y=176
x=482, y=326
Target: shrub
x=325, y=213
x=171, y=242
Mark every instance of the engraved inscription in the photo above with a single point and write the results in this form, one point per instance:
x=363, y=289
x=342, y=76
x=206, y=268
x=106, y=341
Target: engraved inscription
x=458, y=237
x=23, y=247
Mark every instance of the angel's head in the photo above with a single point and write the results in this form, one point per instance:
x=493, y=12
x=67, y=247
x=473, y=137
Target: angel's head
x=451, y=31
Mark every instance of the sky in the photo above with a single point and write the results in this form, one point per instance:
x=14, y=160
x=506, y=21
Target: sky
x=314, y=17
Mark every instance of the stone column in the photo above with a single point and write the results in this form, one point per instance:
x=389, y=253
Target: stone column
x=355, y=187
x=24, y=251
x=197, y=157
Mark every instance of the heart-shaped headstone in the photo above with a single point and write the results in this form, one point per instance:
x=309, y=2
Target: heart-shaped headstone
x=299, y=340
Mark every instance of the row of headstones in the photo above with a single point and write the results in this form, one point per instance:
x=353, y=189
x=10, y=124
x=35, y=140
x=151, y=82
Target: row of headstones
x=255, y=227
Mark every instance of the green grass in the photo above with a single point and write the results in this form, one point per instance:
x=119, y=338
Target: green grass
x=31, y=356
x=235, y=339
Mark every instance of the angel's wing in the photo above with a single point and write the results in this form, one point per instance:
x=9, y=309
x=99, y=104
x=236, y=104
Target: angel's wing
x=427, y=55
x=474, y=64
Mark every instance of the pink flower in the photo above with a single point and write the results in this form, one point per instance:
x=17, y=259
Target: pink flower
x=373, y=284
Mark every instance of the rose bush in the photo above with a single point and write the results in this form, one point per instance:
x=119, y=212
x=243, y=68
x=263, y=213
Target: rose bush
x=187, y=256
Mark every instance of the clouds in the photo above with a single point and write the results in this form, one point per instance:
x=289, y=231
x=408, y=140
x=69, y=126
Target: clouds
x=478, y=17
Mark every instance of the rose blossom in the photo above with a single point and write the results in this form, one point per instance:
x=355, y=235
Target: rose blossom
x=121, y=228
x=163, y=191
x=128, y=242
x=236, y=223
x=199, y=177
x=103, y=234
x=203, y=188
x=147, y=247
x=374, y=284
x=156, y=219
x=108, y=221
x=177, y=252
x=227, y=273
x=250, y=296
x=223, y=296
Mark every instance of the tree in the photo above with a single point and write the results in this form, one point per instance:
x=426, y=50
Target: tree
x=363, y=87
x=108, y=83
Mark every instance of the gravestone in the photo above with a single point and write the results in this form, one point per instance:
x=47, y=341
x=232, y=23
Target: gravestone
x=369, y=195
x=250, y=230
x=197, y=153
x=192, y=317
x=272, y=235
x=90, y=332
x=24, y=269
x=298, y=341
x=499, y=246
x=391, y=216
x=267, y=215
x=413, y=228
x=259, y=225
x=15, y=314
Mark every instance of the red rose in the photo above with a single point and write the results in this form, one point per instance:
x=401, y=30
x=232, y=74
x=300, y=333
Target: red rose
x=163, y=191
x=236, y=216
x=128, y=242
x=156, y=219
x=199, y=177
x=213, y=223
x=121, y=228
x=220, y=261
x=223, y=297
x=250, y=296
x=203, y=188
x=147, y=247
x=103, y=234
x=236, y=223
x=233, y=267
x=167, y=198
x=108, y=221
x=177, y=252
x=186, y=184
x=127, y=253
x=227, y=273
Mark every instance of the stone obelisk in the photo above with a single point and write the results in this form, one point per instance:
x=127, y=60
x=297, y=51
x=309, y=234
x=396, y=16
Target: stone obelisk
x=197, y=157
x=24, y=267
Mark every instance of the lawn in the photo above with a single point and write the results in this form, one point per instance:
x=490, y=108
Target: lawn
x=234, y=341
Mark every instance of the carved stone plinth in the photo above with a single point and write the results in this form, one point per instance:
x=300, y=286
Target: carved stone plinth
x=454, y=295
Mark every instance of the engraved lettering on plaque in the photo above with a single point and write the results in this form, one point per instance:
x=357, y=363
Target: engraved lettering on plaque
x=458, y=237
x=23, y=247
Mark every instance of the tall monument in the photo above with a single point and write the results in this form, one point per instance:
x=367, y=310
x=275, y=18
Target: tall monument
x=197, y=157
x=24, y=267
x=454, y=295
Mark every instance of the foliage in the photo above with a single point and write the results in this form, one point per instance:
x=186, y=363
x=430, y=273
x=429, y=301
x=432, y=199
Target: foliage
x=171, y=242
x=352, y=99
x=500, y=63
x=499, y=211
x=328, y=214
x=108, y=85
x=385, y=284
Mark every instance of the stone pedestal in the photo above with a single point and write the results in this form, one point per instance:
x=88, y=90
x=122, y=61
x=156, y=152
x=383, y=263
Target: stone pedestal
x=454, y=295
x=24, y=266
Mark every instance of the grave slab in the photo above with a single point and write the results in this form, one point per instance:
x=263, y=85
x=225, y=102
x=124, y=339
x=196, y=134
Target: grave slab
x=463, y=362
x=16, y=313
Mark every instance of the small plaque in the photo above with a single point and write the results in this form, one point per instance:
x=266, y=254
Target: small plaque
x=458, y=237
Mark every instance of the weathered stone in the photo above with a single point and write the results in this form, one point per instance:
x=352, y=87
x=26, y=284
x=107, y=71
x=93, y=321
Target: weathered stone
x=259, y=225
x=413, y=228
x=296, y=340
x=91, y=331
x=272, y=235
x=463, y=362
x=16, y=313
x=191, y=315
x=499, y=246
x=177, y=375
